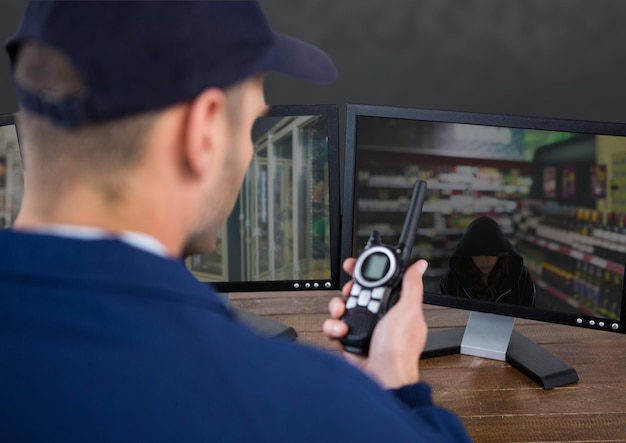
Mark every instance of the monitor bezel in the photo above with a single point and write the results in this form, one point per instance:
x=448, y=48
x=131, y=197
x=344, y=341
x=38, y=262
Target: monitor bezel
x=353, y=111
x=331, y=112
x=7, y=119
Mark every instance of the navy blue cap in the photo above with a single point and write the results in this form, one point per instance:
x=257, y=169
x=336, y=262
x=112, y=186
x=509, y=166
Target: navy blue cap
x=138, y=56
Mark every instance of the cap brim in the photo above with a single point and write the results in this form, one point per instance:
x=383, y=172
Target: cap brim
x=302, y=60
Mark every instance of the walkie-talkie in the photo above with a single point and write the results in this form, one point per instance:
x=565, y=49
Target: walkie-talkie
x=378, y=276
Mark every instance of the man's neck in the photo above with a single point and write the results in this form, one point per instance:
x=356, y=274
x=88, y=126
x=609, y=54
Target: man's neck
x=77, y=217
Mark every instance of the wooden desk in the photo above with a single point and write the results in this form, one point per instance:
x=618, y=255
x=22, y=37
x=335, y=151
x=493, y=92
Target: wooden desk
x=496, y=402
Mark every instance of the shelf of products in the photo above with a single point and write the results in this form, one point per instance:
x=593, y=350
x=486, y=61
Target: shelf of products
x=577, y=255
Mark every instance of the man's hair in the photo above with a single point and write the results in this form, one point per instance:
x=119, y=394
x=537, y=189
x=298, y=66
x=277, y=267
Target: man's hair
x=101, y=151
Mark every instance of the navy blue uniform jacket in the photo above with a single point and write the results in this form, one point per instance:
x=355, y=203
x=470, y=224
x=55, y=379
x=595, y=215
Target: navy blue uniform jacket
x=103, y=342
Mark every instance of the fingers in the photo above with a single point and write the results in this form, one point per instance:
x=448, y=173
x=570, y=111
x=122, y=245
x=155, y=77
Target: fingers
x=336, y=307
x=348, y=265
x=334, y=328
x=345, y=290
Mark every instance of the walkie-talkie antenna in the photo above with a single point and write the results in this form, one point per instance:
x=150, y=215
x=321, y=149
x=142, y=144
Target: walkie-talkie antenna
x=409, y=230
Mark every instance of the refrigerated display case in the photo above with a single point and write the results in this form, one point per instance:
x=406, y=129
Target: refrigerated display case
x=11, y=176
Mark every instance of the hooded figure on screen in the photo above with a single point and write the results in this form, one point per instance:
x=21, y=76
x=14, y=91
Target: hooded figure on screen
x=486, y=266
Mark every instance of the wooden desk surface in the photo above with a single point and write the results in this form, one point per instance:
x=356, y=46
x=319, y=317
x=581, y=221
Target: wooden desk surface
x=496, y=402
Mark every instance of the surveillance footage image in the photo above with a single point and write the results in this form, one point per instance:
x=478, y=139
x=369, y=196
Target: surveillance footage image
x=557, y=197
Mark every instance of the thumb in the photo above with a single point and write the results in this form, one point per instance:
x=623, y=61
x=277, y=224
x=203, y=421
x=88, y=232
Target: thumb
x=412, y=283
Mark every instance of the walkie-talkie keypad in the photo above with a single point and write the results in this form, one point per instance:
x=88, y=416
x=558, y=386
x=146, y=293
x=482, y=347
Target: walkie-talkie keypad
x=366, y=298
x=373, y=306
x=378, y=293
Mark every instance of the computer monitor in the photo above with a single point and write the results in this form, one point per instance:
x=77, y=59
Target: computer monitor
x=11, y=172
x=284, y=232
x=552, y=191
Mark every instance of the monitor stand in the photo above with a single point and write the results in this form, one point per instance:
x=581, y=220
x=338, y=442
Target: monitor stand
x=261, y=325
x=492, y=336
x=265, y=326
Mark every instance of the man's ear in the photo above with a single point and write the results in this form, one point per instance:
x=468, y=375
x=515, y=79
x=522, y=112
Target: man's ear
x=205, y=129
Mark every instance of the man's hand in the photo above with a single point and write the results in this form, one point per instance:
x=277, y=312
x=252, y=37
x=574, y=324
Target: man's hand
x=399, y=337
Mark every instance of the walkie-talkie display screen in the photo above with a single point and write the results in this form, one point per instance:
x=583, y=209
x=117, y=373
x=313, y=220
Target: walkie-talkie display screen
x=376, y=267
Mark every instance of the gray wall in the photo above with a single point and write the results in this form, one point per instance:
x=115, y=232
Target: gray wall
x=562, y=58
x=557, y=58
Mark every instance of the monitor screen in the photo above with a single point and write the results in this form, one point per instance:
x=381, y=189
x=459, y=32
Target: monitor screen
x=524, y=217
x=283, y=233
x=11, y=172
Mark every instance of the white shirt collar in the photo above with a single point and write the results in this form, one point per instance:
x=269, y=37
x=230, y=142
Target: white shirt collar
x=138, y=240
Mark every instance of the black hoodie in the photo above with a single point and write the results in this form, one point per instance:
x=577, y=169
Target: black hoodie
x=484, y=236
